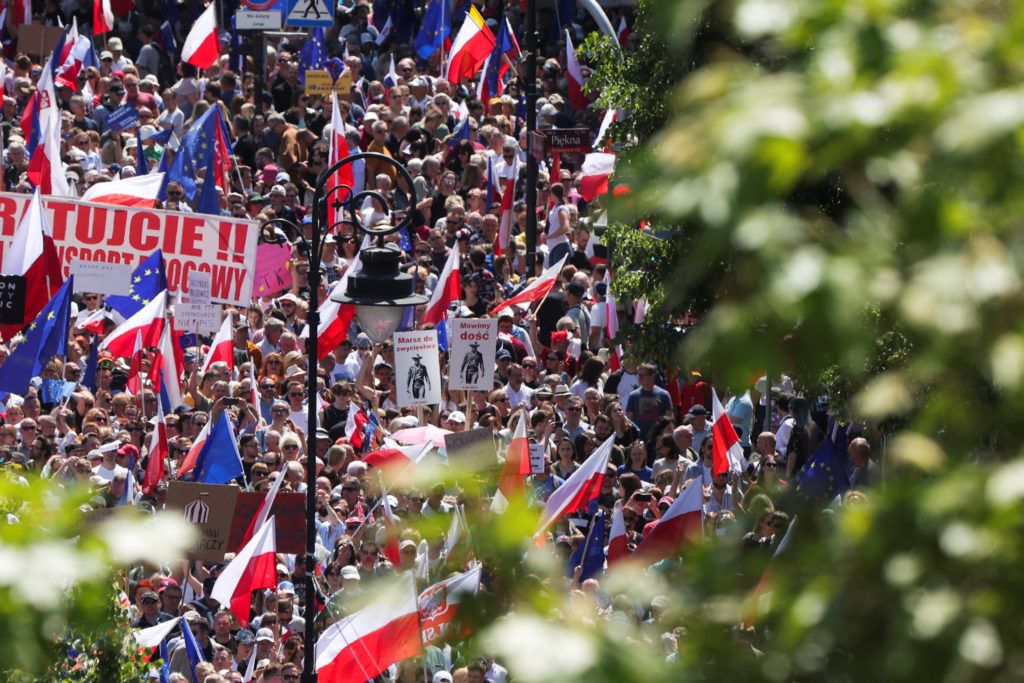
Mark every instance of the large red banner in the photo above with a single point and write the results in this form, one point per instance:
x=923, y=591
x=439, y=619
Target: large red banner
x=223, y=246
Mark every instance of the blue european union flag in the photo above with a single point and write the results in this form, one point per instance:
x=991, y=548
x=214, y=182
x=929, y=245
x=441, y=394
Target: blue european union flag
x=311, y=56
x=442, y=334
x=162, y=138
x=53, y=391
x=199, y=148
x=823, y=476
x=148, y=280
x=218, y=461
x=165, y=658
x=434, y=30
x=408, y=321
x=141, y=164
x=166, y=37
x=593, y=562
x=209, y=202
x=46, y=337
x=192, y=649
x=91, y=366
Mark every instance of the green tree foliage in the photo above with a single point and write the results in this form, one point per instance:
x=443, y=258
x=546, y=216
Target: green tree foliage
x=58, y=589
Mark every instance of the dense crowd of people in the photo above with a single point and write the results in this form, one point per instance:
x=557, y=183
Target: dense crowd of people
x=556, y=366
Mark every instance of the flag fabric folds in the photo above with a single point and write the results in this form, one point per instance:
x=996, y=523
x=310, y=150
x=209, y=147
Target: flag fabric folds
x=434, y=29
x=148, y=279
x=590, y=554
x=218, y=462
x=156, y=466
x=139, y=190
x=574, y=77
x=149, y=320
x=516, y=467
x=439, y=605
x=447, y=290
x=597, y=168
x=823, y=476
x=254, y=568
x=470, y=48
x=536, y=290
x=361, y=646
x=33, y=255
x=102, y=17
x=618, y=542
x=579, y=489
x=202, y=45
x=682, y=523
x=47, y=336
x=222, y=347
x=728, y=451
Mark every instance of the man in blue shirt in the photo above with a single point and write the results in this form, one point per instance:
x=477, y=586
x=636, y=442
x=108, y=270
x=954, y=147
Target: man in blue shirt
x=647, y=403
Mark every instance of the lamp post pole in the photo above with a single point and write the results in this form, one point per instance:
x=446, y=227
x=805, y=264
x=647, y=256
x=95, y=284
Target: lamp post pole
x=385, y=296
x=532, y=168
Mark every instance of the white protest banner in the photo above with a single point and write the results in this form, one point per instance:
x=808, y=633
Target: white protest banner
x=417, y=368
x=98, y=277
x=536, y=458
x=197, y=317
x=199, y=287
x=222, y=246
x=473, y=345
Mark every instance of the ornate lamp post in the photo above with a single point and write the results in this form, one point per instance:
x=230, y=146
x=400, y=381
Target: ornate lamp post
x=379, y=291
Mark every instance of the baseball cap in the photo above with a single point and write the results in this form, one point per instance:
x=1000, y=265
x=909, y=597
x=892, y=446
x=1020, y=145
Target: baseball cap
x=458, y=416
x=363, y=341
x=350, y=572
x=442, y=677
x=264, y=634
x=245, y=637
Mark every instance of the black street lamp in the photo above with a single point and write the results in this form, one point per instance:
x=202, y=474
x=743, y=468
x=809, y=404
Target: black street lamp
x=379, y=291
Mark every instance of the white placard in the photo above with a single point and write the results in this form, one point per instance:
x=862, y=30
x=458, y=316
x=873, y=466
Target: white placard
x=199, y=287
x=417, y=368
x=248, y=20
x=100, y=277
x=473, y=344
x=536, y=458
x=197, y=317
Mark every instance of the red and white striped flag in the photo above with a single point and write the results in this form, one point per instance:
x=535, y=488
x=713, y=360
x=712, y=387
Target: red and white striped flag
x=682, y=523
x=361, y=646
x=618, y=543
x=222, y=348
x=202, y=44
x=579, y=489
x=727, y=451
x=102, y=17
x=447, y=290
x=254, y=568
x=537, y=290
x=158, y=451
x=516, y=468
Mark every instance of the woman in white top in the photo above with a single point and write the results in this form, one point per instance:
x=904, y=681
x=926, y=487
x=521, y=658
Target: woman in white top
x=558, y=226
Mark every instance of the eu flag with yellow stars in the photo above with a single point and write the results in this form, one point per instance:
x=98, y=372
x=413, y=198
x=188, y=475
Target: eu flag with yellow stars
x=434, y=29
x=45, y=338
x=148, y=280
x=823, y=476
x=311, y=56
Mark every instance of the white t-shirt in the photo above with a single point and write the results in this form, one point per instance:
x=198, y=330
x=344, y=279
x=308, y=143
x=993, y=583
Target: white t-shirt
x=109, y=474
x=555, y=223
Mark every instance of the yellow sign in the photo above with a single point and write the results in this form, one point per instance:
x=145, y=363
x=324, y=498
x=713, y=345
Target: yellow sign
x=318, y=83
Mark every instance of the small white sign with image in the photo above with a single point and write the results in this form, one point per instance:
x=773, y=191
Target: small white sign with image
x=417, y=368
x=473, y=345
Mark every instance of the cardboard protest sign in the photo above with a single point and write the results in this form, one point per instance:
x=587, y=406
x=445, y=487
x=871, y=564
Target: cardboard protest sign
x=472, y=450
x=101, y=277
x=210, y=507
x=536, y=458
x=473, y=345
x=222, y=246
x=289, y=509
x=273, y=273
x=417, y=368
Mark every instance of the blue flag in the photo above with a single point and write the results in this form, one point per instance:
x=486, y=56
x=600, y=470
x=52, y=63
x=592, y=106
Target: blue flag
x=311, y=56
x=148, y=280
x=199, y=149
x=218, y=461
x=823, y=476
x=91, y=366
x=434, y=29
x=52, y=391
x=45, y=338
x=165, y=168
x=442, y=334
x=208, y=200
x=161, y=137
x=166, y=37
x=141, y=163
x=408, y=321
x=593, y=562
x=165, y=661
x=192, y=649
